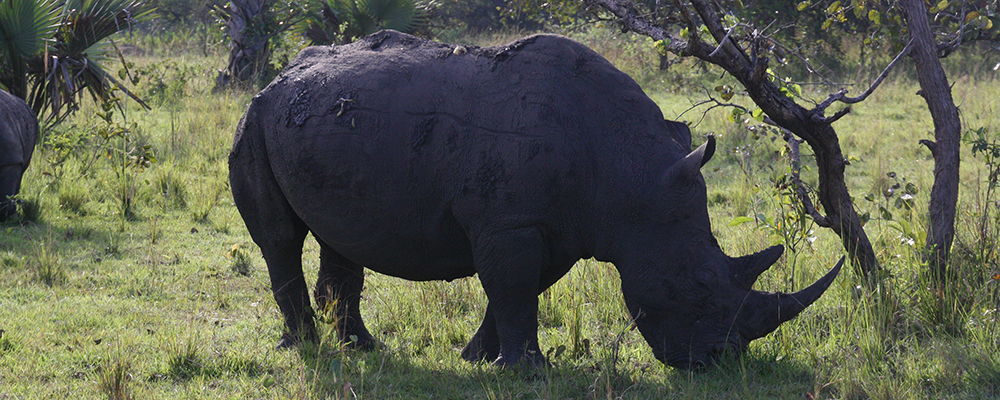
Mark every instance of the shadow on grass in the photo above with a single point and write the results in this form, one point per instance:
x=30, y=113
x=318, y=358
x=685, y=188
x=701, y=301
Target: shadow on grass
x=385, y=374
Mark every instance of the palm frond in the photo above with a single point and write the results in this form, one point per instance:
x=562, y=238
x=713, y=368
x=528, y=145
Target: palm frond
x=73, y=62
x=25, y=25
x=400, y=15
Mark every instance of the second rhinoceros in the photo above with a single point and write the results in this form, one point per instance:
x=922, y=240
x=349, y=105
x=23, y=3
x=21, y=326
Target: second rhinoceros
x=18, y=133
x=430, y=161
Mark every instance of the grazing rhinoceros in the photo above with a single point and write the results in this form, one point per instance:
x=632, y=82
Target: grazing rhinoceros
x=18, y=133
x=430, y=161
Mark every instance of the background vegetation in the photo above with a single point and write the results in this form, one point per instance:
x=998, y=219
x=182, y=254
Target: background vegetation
x=130, y=278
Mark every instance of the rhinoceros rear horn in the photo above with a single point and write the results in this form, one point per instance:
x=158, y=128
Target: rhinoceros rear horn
x=689, y=166
x=747, y=269
x=777, y=308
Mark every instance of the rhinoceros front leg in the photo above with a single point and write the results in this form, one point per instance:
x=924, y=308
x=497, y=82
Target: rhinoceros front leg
x=509, y=265
x=485, y=344
x=341, y=281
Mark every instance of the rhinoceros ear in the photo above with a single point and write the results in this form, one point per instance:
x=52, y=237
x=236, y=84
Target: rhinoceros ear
x=680, y=132
x=688, y=167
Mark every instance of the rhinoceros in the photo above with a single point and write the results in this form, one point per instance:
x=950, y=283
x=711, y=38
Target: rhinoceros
x=18, y=133
x=430, y=161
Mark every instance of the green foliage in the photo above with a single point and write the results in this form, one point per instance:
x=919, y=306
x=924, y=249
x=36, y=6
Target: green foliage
x=895, y=193
x=344, y=21
x=58, y=49
x=985, y=146
x=47, y=265
x=882, y=21
x=114, y=379
x=239, y=260
x=182, y=14
x=25, y=25
x=72, y=196
x=166, y=81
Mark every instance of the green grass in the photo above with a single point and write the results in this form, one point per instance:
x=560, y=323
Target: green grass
x=173, y=301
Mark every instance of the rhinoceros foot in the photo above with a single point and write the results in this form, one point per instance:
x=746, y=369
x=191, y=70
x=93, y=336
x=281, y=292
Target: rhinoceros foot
x=481, y=349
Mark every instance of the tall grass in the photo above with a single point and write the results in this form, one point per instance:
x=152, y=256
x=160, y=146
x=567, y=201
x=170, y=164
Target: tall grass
x=180, y=319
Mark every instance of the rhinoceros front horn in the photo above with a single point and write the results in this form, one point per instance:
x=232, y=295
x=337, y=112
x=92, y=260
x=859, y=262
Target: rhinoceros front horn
x=773, y=309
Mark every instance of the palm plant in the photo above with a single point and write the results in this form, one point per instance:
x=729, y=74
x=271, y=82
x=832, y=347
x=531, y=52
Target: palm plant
x=53, y=50
x=343, y=21
x=25, y=25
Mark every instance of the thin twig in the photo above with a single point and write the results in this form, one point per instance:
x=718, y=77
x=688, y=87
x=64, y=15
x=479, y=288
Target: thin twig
x=722, y=42
x=800, y=188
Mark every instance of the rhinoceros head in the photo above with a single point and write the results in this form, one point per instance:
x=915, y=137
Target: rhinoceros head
x=692, y=302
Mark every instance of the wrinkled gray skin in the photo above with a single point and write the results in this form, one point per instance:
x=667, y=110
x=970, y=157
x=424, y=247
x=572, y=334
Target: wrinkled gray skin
x=18, y=133
x=415, y=160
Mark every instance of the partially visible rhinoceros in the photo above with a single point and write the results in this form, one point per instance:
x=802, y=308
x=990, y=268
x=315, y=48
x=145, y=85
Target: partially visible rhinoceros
x=430, y=161
x=18, y=133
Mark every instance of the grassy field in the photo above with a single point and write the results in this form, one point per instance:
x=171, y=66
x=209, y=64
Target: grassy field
x=143, y=283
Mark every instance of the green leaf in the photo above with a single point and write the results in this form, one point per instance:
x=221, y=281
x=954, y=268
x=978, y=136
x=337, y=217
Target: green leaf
x=336, y=367
x=942, y=5
x=685, y=33
x=907, y=228
x=886, y=215
x=910, y=188
x=661, y=46
x=827, y=23
x=875, y=17
x=833, y=7
x=730, y=20
x=803, y=5
x=757, y=114
x=740, y=220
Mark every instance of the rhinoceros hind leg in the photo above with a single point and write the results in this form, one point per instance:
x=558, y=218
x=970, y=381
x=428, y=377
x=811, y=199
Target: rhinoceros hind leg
x=509, y=264
x=341, y=282
x=279, y=233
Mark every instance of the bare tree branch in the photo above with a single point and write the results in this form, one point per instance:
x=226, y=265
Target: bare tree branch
x=841, y=95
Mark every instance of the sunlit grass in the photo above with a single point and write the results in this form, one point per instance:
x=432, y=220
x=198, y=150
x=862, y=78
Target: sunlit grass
x=162, y=306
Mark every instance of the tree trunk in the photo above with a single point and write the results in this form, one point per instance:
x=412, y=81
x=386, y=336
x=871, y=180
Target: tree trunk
x=947, y=138
x=249, y=52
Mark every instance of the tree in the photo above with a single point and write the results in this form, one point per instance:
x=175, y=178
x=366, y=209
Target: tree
x=957, y=22
x=710, y=31
x=250, y=25
x=51, y=51
x=743, y=52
